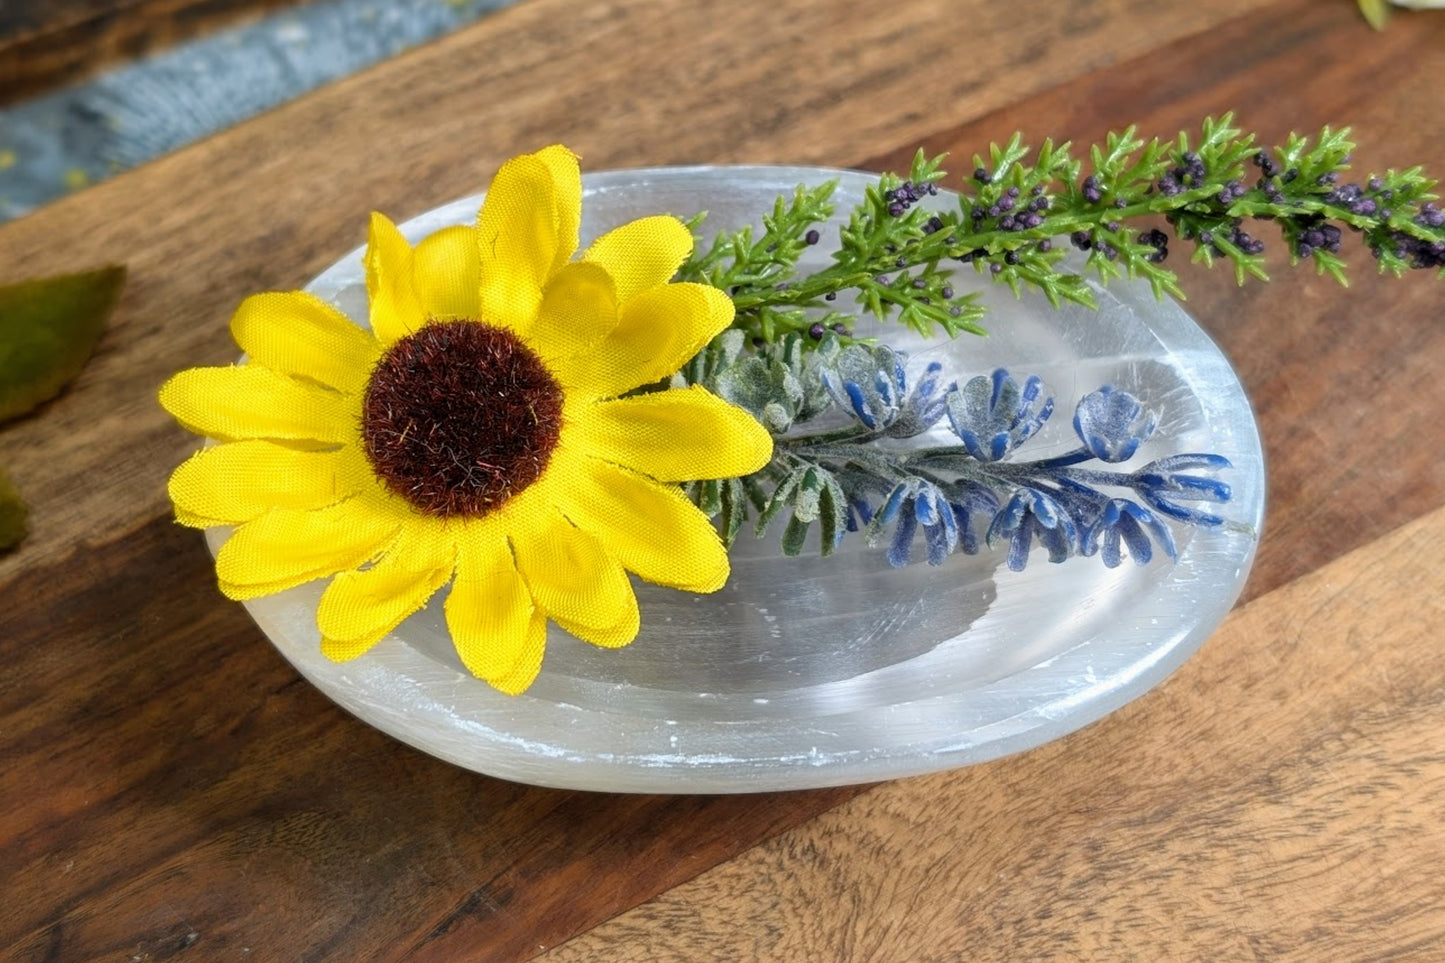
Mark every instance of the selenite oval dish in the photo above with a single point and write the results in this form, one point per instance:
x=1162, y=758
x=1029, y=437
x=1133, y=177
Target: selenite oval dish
x=807, y=672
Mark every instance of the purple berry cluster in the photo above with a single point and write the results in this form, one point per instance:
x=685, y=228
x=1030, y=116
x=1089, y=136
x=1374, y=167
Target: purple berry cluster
x=1354, y=198
x=1159, y=241
x=1242, y=240
x=817, y=329
x=1268, y=166
x=1421, y=255
x=1085, y=240
x=1315, y=236
x=1189, y=172
x=1231, y=192
x=905, y=195
x=1012, y=211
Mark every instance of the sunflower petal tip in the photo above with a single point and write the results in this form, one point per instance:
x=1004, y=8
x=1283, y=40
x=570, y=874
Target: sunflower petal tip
x=559, y=152
x=379, y=222
x=339, y=651
x=511, y=686
x=715, y=581
x=760, y=444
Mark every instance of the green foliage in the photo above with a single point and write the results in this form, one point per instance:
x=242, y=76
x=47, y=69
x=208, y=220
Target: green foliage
x=769, y=262
x=782, y=386
x=1376, y=12
x=13, y=514
x=48, y=329
x=1012, y=215
x=790, y=356
x=777, y=387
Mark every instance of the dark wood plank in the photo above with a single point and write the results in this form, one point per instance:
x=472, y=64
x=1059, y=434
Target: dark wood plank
x=47, y=43
x=184, y=785
x=1162, y=833
x=1345, y=383
x=270, y=203
x=169, y=782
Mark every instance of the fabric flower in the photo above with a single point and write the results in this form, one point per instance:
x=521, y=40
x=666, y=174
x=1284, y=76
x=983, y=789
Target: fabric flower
x=1112, y=424
x=480, y=434
x=994, y=415
x=1123, y=523
x=1032, y=513
x=870, y=383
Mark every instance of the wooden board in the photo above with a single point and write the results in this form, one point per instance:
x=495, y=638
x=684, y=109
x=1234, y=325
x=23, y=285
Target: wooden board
x=1162, y=832
x=170, y=785
x=47, y=43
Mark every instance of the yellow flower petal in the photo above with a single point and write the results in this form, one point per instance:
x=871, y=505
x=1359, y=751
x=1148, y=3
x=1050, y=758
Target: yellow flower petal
x=241, y=480
x=359, y=608
x=299, y=334
x=192, y=520
x=567, y=197
x=653, y=529
x=308, y=504
x=396, y=311
x=577, y=583
x=658, y=332
x=678, y=435
x=255, y=402
x=490, y=613
x=518, y=242
x=285, y=547
x=578, y=310
x=447, y=273
x=642, y=254
x=614, y=637
x=524, y=673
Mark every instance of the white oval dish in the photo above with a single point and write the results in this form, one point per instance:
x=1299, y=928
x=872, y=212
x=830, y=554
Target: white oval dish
x=813, y=672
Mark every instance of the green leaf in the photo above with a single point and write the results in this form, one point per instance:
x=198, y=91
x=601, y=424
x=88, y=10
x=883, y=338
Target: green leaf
x=1376, y=12
x=13, y=514
x=782, y=496
x=795, y=535
x=833, y=514
x=734, y=510
x=709, y=498
x=48, y=329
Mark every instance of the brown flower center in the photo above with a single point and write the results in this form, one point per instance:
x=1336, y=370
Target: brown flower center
x=459, y=417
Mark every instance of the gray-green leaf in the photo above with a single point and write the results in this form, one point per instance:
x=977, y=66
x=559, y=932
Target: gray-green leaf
x=13, y=514
x=48, y=329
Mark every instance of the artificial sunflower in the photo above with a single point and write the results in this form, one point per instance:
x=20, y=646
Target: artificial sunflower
x=480, y=434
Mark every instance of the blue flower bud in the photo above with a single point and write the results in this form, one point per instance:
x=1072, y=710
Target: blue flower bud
x=994, y=415
x=1123, y=522
x=1161, y=485
x=1113, y=424
x=1031, y=514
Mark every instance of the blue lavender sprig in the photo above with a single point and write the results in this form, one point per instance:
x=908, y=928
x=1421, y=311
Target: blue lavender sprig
x=966, y=495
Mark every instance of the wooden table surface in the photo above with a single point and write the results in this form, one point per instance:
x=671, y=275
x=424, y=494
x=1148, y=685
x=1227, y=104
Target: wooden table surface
x=47, y=43
x=171, y=789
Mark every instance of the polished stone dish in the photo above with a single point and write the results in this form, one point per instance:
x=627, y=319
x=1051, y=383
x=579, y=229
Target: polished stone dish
x=806, y=672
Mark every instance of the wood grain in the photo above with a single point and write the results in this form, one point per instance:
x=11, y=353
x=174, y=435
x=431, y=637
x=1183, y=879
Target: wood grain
x=233, y=808
x=47, y=43
x=171, y=788
x=270, y=203
x=1201, y=822
x=1329, y=370
x=183, y=785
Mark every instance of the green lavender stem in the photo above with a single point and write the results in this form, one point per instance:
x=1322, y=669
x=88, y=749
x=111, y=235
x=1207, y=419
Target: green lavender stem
x=894, y=253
